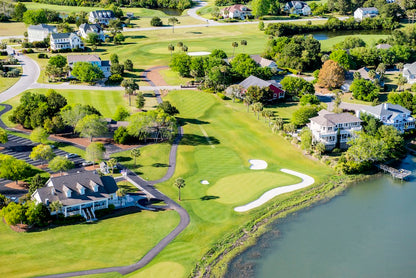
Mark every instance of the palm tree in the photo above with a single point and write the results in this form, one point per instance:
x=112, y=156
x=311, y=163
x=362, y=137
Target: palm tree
x=248, y=100
x=268, y=114
x=381, y=69
x=179, y=44
x=401, y=80
x=257, y=108
x=111, y=163
x=130, y=86
x=278, y=124
x=234, y=45
x=184, y=48
x=356, y=75
x=173, y=21
x=55, y=206
x=121, y=192
x=243, y=43
x=135, y=153
x=179, y=183
x=400, y=66
x=372, y=74
x=235, y=90
x=171, y=48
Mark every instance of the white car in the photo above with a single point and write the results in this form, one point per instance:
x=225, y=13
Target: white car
x=71, y=155
x=87, y=163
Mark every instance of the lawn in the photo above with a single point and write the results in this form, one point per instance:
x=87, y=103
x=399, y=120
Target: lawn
x=12, y=28
x=152, y=163
x=173, y=78
x=326, y=45
x=116, y=241
x=7, y=82
x=234, y=137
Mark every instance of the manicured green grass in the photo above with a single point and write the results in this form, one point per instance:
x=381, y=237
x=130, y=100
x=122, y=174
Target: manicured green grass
x=7, y=82
x=129, y=187
x=173, y=78
x=152, y=163
x=116, y=241
x=326, y=45
x=234, y=137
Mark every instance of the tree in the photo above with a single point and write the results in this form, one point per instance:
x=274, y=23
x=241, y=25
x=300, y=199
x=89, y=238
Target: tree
x=156, y=21
x=115, y=26
x=372, y=74
x=234, y=45
x=19, y=10
x=268, y=114
x=234, y=91
x=400, y=66
x=258, y=94
x=181, y=62
x=257, y=108
x=306, y=139
x=14, y=213
x=72, y=114
x=42, y=152
x=171, y=48
x=260, y=7
x=179, y=183
x=342, y=58
x=401, y=80
x=168, y=108
x=301, y=116
x=65, y=28
x=173, y=21
x=95, y=152
x=243, y=43
x=60, y=163
x=114, y=58
x=309, y=99
x=261, y=25
x=366, y=148
x=119, y=38
x=140, y=100
x=135, y=153
x=381, y=69
x=179, y=44
x=14, y=169
x=91, y=126
x=248, y=100
x=364, y=90
x=297, y=86
x=331, y=75
x=56, y=207
x=320, y=148
x=111, y=163
x=58, y=60
x=87, y=72
x=3, y=201
x=37, y=214
x=93, y=38
x=128, y=65
x=3, y=136
x=130, y=86
x=34, y=17
x=184, y=48
x=39, y=135
x=278, y=124
x=37, y=181
x=121, y=113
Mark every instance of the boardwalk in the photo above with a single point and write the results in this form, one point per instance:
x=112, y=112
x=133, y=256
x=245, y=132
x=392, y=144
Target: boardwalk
x=396, y=173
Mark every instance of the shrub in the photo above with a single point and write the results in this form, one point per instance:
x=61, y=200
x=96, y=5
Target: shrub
x=121, y=136
x=115, y=79
x=221, y=96
x=43, y=56
x=156, y=21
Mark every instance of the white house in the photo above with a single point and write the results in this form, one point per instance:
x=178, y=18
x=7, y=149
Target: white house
x=101, y=17
x=334, y=129
x=297, y=7
x=362, y=13
x=80, y=194
x=66, y=41
x=86, y=28
x=391, y=114
x=409, y=71
x=236, y=11
x=37, y=33
x=265, y=63
x=105, y=66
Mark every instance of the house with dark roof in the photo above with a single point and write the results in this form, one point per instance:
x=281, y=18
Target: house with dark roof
x=101, y=17
x=86, y=28
x=334, y=129
x=236, y=11
x=37, y=33
x=60, y=41
x=105, y=65
x=80, y=193
x=390, y=114
x=297, y=7
x=252, y=80
x=361, y=13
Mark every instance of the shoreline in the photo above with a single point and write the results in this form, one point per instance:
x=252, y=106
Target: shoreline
x=215, y=262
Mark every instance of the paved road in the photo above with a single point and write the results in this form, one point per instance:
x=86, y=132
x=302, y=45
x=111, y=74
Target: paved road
x=193, y=13
x=156, y=89
x=30, y=74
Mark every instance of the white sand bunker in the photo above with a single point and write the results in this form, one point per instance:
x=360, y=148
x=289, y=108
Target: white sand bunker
x=200, y=53
x=204, y=182
x=306, y=181
x=257, y=164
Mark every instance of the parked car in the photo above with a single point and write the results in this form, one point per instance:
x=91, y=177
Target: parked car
x=87, y=163
x=71, y=155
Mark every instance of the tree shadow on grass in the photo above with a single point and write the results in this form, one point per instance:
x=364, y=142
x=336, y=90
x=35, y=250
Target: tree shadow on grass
x=184, y=121
x=137, y=37
x=159, y=165
x=209, y=197
x=196, y=140
x=123, y=158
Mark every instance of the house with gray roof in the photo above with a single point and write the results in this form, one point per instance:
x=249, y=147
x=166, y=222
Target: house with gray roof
x=252, y=80
x=80, y=193
x=297, y=7
x=362, y=13
x=66, y=41
x=265, y=63
x=391, y=114
x=409, y=71
x=40, y=32
x=334, y=130
x=101, y=16
x=86, y=28
x=105, y=65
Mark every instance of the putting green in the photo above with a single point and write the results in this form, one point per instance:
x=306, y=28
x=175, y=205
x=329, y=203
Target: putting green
x=242, y=188
x=165, y=269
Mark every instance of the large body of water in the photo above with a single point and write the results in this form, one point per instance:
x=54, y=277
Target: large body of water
x=369, y=231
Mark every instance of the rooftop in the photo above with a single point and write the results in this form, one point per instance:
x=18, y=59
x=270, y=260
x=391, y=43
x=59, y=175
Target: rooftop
x=327, y=118
x=82, y=58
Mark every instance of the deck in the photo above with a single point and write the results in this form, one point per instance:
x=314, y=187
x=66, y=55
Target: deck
x=396, y=173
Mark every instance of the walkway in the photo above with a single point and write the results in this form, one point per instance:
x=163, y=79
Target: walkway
x=193, y=13
x=306, y=181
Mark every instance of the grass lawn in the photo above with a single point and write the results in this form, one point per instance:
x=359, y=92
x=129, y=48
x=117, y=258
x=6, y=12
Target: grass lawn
x=173, y=78
x=12, y=28
x=116, y=241
x=7, y=82
x=326, y=45
x=152, y=163
x=235, y=136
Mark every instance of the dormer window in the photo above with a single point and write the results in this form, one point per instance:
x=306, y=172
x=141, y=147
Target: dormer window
x=94, y=186
x=68, y=192
x=81, y=189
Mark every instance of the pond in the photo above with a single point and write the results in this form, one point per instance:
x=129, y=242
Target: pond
x=369, y=231
x=170, y=12
x=321, y=36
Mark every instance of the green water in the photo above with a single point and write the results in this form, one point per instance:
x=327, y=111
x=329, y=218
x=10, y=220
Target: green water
x=369, y=231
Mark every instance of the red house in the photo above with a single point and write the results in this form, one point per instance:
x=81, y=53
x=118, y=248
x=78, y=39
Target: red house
x=275, y=87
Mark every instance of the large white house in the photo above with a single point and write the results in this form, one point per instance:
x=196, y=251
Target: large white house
x=409, y=71
x=391, y=114
x=105, y=66
x=334, y=129
x=236, y=11
x=40, y=32
x=80, y=194
x=66, y=41
x=101, y=17
x=362, y=13
x=86, y=28
x=265, y=63
x=297, y=7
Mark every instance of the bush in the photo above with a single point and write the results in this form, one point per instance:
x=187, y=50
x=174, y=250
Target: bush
x=43, y=56
x=115, y=79
x=221, y=96
x=121, y=136
x=29, y=50
x=156, y=21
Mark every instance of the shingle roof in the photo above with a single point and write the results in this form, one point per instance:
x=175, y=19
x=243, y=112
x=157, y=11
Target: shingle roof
x=410, y=68
x=387, y=110
x=237, y=7
x=261, y=61
x=45, y=27
x=73, y=182
x=369, y=10
x=96, y=28
x=103, y=14
x=56, y=36
x=82, y=58
x=332, y=119
x=254, y=81
x=292, y=4
x=383, y=46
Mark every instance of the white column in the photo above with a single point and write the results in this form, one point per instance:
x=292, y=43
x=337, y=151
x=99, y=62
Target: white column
x=106, y=200
x=80, y=210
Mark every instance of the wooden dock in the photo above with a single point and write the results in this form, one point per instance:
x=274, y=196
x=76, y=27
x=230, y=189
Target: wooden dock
x=396, y=173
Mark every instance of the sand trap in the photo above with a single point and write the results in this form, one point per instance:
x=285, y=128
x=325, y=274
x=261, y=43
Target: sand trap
x=200, y=53
x=204, y=182
x=257, y=164
x=306, y=181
